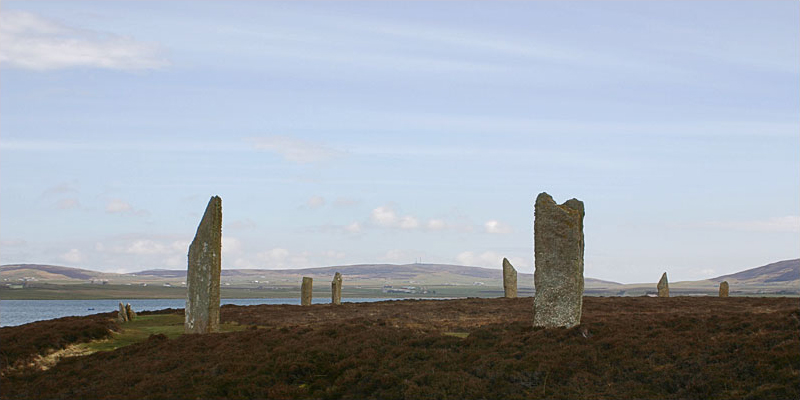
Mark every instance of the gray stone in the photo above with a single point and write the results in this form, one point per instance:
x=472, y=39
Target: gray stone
x=306, y=291
x=336, y=289
x=509, y=280
x=122, y=315
x=663, y=286
x=558, y=252
x=129, y=312
x=723, y=289
x=202, y=279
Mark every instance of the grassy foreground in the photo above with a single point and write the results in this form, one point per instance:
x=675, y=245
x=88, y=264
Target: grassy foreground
x=138, y=330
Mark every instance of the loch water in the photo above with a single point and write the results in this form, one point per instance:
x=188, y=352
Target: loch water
x=18, y=312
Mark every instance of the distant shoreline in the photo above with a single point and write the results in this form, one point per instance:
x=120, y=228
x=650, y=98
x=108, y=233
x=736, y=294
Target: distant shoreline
x=48, y=291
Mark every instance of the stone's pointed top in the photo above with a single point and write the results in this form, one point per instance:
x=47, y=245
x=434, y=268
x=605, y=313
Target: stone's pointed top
x=569, y=205
x=337, y=276
x=507, y=264
x=544, y=197
x=574, y=204
x=212, y=216
x=663, y=286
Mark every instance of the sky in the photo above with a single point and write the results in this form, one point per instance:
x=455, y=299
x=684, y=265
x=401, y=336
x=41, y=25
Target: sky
x=393, y=132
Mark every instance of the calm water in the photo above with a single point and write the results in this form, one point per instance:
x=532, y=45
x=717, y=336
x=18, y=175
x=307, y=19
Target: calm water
x=18, y=312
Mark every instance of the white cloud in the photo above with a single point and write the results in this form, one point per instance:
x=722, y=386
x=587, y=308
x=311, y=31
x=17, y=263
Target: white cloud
x=231, y=245
x=176, y=261
x=436, y=224
x=73, y=256
x=496, y=227
x=384, y=216
x=242, y=262
x=276, y=254
x=118, y=206
x=295, y=150
x=36, y=43
x=147, y=247
x=182, y=246
x=355, y=227
x=315, y=202
x=409, y=222
x=486, y=259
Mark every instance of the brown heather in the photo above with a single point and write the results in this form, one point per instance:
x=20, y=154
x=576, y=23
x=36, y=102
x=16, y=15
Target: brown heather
x=665, y=348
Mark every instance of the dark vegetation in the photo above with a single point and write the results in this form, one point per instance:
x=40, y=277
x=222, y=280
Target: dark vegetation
x=674, y=348
x=21, y=344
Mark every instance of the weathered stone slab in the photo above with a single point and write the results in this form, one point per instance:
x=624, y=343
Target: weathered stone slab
x=723, y=289
x=663, y=286
x=336, y=289
x=129, y=312
x=509, y=280
x=202, y=279
x=558, y=252
x=122, y=315
x=306, y=291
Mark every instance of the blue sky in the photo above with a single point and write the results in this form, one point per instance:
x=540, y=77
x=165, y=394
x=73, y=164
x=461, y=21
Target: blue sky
x=355, y=132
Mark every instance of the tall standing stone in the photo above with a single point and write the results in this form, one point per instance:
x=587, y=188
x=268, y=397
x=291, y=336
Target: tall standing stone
x=305, y=291
x=723, y=289
x=663, y=286
x=122, y=314
x=509, y=280
x=129, y=312
x=336, y=289
x=558, y=252
x=202, y=278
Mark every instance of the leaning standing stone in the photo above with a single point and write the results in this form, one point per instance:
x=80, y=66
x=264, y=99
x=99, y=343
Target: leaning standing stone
x=129, y=312
x=122, y=315
x=202, y=278
x=558, y=252
x=663, y=286
x=509, y=280
x=723, y=289
x=305, y=291
x=336, y=289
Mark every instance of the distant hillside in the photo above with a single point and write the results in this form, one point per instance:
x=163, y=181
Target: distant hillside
x=52, y=272
x=780, y=272
x=423, y=273
x=783, y=273
x=430, y=274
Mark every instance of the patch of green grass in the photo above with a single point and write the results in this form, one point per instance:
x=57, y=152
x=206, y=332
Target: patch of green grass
x=461, y=335
x=143, y=326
